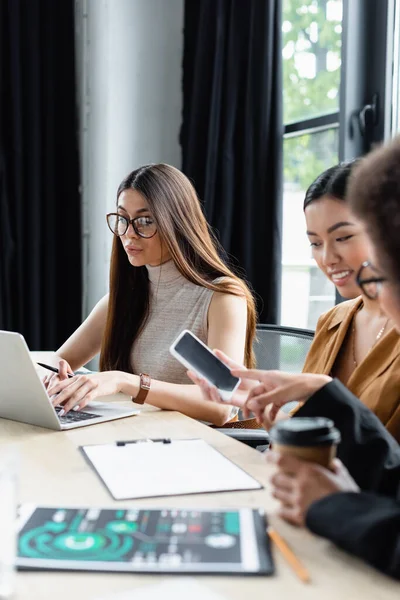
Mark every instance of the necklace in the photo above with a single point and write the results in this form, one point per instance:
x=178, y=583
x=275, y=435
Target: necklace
x=378, y=337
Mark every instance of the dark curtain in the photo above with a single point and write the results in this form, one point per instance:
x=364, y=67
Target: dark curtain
x=232, y=132
x=40, y=224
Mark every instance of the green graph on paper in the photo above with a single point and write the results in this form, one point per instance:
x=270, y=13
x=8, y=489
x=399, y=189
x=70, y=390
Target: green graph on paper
x=67, y=541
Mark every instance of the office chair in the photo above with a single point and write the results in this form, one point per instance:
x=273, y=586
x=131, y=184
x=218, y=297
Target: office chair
x=276, y=348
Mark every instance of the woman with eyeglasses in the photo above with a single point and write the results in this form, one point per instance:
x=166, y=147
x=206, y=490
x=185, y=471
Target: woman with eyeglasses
x=166, y=275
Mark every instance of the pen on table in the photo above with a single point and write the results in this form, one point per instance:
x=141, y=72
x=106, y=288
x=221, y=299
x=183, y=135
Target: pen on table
x=289, y=555
x=49, y=368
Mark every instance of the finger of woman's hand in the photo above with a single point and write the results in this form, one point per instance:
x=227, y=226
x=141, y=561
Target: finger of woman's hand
x=290, y=465
x=64, y=369
x=266, y=419
x=50, y=380
x=247, y=384
x=278, y=397
x=258, y=388
x=200, y=381
x=343, y=478
x=292, y=514
x=77, y=393
x=257, y=410
x=257, y=413
x=194, y=377
x=248, y=373
x=255, y=391
x=46, y=381
x=80, y=398
x=271, y=412
x=209, y=391
x=283, y=481
x=56, y=386
x=257, y=405
x=228, y=361
x=246, y=412
x=285, y=496
x=337, y=466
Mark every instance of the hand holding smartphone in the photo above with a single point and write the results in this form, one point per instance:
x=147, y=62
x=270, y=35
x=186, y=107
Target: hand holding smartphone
x=195, y=355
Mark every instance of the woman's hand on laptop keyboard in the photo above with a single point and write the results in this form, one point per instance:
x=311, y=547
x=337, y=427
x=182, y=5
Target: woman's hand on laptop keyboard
x=76, y=392
x=64, y=371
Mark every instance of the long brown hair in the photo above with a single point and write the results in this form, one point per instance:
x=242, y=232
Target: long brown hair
x=173, y=203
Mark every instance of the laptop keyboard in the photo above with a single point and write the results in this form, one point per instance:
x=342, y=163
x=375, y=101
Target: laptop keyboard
x=74, y=416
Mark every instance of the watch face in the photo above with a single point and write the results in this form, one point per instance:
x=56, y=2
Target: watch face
x=145, y=381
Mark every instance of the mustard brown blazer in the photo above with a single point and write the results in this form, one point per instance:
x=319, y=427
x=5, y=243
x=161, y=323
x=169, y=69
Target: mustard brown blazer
x=376, y=380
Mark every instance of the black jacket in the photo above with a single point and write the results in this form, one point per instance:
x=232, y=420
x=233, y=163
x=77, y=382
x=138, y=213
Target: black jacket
x=366, y=524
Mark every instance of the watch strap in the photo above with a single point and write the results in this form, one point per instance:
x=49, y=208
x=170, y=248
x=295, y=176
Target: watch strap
x=145, y=383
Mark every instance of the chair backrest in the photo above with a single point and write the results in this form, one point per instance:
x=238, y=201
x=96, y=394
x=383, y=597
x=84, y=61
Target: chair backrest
x=282, y=348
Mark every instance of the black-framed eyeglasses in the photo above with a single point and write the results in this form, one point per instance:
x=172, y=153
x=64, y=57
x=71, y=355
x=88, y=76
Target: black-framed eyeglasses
x=145, y=227
x=369, y=280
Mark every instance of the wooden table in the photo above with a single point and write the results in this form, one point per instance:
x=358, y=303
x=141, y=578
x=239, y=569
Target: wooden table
x=53, y=471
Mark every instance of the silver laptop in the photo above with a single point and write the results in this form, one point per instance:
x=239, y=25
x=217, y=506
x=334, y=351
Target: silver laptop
x=24, y=398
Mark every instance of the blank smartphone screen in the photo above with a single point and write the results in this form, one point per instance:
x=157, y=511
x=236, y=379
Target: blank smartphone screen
x=206, y=363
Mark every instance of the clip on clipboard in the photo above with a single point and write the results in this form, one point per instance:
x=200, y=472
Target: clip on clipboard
x=163, y=467
x=144, y=440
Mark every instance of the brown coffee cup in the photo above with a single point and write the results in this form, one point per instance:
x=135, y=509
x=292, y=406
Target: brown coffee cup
x=310, y=438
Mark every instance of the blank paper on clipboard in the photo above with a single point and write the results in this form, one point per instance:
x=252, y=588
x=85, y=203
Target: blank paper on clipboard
x=145, y=469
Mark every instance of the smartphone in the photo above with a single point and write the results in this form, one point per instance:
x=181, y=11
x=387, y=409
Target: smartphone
x=195, y=355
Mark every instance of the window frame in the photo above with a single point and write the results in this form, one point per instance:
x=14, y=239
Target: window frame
x=366, y=71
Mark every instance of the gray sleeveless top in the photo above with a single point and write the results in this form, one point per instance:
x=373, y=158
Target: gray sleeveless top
x=175, y=304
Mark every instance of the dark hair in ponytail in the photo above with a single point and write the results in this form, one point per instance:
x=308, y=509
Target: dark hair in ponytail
x=332, y=182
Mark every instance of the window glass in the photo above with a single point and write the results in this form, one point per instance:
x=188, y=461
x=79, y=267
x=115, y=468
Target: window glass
x=306, y=292
x=311, y=31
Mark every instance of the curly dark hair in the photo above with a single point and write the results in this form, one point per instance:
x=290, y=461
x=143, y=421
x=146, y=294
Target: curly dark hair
x=374, y=196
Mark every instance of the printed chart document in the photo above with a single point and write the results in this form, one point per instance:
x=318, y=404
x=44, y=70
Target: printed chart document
x=145, y=469
x=143, y=540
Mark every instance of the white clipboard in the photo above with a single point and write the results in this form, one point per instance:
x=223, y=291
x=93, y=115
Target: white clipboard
x=151, y=468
